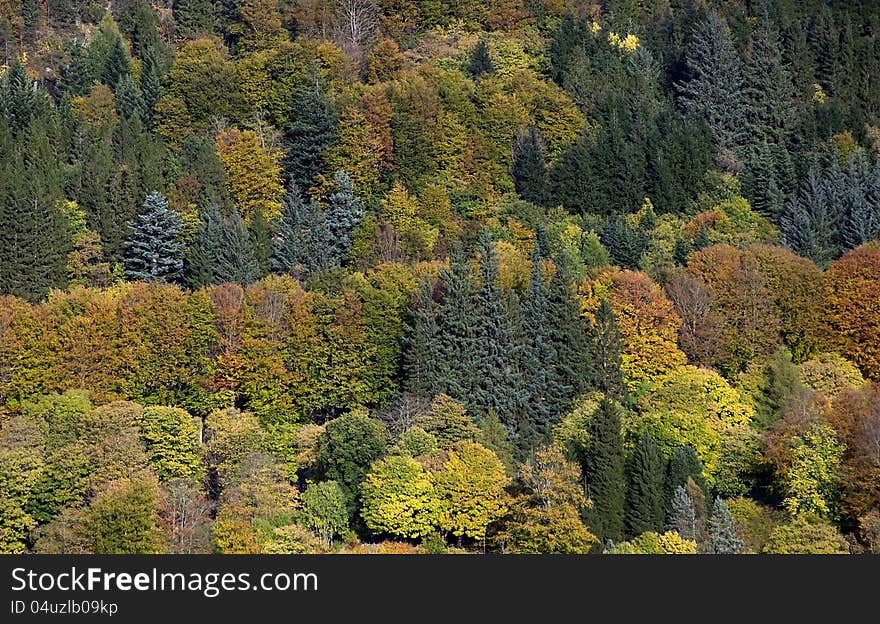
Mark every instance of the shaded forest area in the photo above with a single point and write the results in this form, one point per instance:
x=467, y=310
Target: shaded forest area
x=517, y=276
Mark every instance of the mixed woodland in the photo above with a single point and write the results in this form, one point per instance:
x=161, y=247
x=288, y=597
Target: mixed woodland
x=440, y=276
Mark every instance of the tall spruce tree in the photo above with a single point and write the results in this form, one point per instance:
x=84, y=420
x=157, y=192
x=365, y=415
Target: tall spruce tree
x=150, y=81
x=769, y=91
x=308, y=135
x=222, y=251
x=625, y=244
x=344, y=213
x=302, y=237
x=422, y=364
x=457, y=323
x=260, y=233
x=723, y=539
x=529, y=166
x=543, y=403
x=36, y=236
x=605, y=349
x=602, y=462
x=683, y=518
x=480, y=62
x=645, y=476
x=861, y=199
x=811, y=219
x=499, y=383
x=568, y=339
x=154, y=251
x=117, y=65
x=713, y=90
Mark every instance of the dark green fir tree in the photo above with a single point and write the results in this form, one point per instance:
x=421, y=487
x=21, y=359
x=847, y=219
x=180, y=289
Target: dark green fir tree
x=713, y=89
x=646, y=473
x=480, y=62
x=602, y=462
x=308, y=135
x=529, y=166
x=302, y=237
x=605, y=349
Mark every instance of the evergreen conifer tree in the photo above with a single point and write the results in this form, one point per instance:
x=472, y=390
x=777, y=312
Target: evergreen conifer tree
x=646, y=476
x=723, y=539
x=529, y=166
x=605, y=349
x=499, y=383
x=128, y=101
x=683, y=465
x=153, y=251
x=422, y=362
x=769, y=91
x=307, y=136
x=539, y=361
x=457, y=323
x=568, y=340
x=713, y=90
x=117, y=66
x=811, y=220
x=150, y=82
x=344, y=213
x=222, y=251
x=603, y=467
x=683, y=518
x=260, y=233
x=302, y=237
x=480, y=62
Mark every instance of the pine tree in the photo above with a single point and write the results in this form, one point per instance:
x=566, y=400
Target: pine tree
x=539, y=361
x=499, y=383
x=769, y=91
x=222, y=251
x=422, y=363
x=260, y=234
x=457, y=322
x=683, y=518
x=480, y=63
x=810, y=221
x=529, y=166
x=723, y=539
x=567, y=338
x=646, y=475
x=153, y=251
x=302, y=237
x=150, y=82
x=308, y=135
x=603, y=467
x=128, y=101
x=117, y=66
x=713, y=90
x=344, y=213
x=605, y=349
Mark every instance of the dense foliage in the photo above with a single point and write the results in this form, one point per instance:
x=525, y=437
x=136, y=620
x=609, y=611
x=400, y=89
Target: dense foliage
x=520, y=276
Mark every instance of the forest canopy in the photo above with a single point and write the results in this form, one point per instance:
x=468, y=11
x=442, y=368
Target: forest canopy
x=516, y=276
